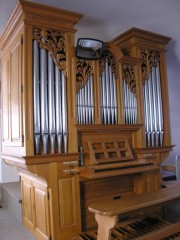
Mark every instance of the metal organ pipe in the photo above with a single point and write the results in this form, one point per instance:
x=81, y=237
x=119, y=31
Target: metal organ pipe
x=153, y=109
x=159, y=104
x=36, y=82
x=64, y=112
x=44, y=99
x=58, y=109
x=108, y=96
x=85, y=103
x=50, y=107
x=51, y=103
x=130, y=105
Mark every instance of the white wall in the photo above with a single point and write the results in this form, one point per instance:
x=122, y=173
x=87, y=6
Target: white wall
x=173, y=70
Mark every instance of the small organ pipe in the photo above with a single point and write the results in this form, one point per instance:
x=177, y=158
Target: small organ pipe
x=114, y=99
x=130, y=105
x=108, y=96
x=103, y=97
x=125, y=101
x=85, y=103
x=91, y=100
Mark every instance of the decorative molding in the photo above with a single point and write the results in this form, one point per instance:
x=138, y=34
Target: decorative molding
x=107, y=55
x=84, y=68
x=149, y=59
x=128, y=74
x=55, y=43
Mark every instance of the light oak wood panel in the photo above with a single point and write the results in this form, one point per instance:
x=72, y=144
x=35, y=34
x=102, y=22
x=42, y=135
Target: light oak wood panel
x=41, y=212
x=11, y=94
x=27, y=201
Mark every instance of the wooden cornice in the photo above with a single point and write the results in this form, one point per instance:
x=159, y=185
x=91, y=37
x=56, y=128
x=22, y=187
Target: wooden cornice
x=139, y=37
x=38, y=15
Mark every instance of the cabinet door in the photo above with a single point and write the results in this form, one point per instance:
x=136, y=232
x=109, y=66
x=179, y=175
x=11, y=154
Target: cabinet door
x=11, y=94
x=27, y=203
x=41, y=212
x=69, y=209
x=35, y=210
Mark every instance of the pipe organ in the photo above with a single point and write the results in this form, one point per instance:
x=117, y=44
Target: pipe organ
x=81, y=131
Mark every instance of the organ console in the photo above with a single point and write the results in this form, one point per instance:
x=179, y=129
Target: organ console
x=81, y=132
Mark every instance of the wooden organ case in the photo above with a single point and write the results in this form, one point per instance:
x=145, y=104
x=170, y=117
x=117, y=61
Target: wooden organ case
x=79, y=131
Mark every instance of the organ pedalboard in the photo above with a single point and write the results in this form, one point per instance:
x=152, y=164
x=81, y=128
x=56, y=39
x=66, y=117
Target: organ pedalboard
x=146, y=228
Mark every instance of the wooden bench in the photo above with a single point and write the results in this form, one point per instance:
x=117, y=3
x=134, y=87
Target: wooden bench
x=106, y=212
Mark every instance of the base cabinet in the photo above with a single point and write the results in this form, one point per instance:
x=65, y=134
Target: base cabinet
x=35, y=210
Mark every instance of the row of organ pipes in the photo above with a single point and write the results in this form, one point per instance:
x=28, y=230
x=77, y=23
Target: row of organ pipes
x=50, y=106
x=85, y=103
x=50, y=103
x=153, y=109
x=152, y=103
x=108, y=95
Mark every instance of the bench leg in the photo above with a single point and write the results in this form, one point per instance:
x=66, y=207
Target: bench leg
x=105, y=223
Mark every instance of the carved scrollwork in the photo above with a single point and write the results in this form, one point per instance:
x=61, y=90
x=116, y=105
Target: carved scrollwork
x=83, y=69
x=149, y=59
x=55, y=43
x=108, y=56
x=128, y=75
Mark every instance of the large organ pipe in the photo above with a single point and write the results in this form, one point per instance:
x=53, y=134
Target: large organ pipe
x=154, y=91
x=44, y=99
x=51, y=103
x=111, y=95
x=159, y=102
x=58, y=109
x=151, y=112
x=36, y=98
x=107, y=80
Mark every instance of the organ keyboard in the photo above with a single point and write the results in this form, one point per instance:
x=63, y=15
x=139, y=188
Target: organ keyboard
x=113, y=157
x=113, y=169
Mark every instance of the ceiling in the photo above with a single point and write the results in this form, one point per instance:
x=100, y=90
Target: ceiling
x=105, y=19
